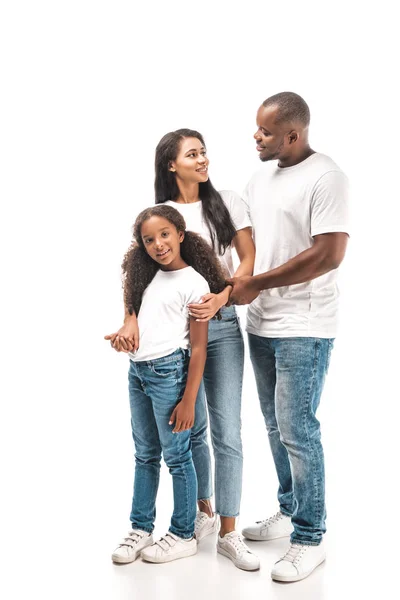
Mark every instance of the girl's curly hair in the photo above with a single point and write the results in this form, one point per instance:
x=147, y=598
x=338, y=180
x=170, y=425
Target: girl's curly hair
x=138, y=269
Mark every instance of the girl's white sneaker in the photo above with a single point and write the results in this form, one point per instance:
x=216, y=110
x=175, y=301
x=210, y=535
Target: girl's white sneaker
x=131, y=546
x=298, y=562
x=273, y=528
x=169, y=547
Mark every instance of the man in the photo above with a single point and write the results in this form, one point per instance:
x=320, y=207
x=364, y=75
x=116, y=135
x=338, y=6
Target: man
x=298, y=208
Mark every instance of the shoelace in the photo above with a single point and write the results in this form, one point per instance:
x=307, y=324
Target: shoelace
x=132, y=538
x=271, y=520
x=295, y=553
x=166, y=542
x=238, y=544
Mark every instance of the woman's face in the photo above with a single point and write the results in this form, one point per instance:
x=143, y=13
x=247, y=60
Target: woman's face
x=191, y=163
x=162, y=242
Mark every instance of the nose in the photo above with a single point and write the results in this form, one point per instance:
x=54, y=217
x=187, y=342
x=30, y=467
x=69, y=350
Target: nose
x=202, y=160
x=257, y=135
x=158, y=243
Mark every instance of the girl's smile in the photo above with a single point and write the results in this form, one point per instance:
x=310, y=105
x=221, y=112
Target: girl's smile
x=162, y=242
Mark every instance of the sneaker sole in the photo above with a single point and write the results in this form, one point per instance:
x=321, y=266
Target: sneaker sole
x=289, y=578
x=236, y=562
x=124, y=560
x=261, y=538
x=164, y=559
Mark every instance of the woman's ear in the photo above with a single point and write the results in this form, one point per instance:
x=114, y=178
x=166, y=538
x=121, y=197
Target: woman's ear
x=181, y=236
x=171, y=167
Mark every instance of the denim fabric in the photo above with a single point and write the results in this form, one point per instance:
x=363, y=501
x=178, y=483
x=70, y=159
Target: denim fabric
x=155, y=387
x=290, y=374
x=222, y=395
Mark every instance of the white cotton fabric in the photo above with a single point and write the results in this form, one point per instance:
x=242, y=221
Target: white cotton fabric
x=163, y=317
x=193, y=215
x=287, y=207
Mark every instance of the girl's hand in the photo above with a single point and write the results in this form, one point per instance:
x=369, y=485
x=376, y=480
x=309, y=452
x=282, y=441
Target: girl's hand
x=182, y=416
x=125, y=339
x=210, y=305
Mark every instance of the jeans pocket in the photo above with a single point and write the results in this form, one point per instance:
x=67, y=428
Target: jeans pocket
x=164, y=369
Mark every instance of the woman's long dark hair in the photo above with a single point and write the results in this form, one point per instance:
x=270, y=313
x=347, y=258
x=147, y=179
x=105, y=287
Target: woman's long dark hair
x=139, y=269
x=215, y=213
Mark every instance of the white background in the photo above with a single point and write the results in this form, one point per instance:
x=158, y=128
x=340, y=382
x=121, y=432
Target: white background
x=88, y=89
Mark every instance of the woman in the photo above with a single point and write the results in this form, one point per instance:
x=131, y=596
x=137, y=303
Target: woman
x=181, y=181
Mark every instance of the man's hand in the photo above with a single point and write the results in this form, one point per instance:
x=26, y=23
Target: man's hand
x=244, y=289
x=182, y=416
x=125, y=339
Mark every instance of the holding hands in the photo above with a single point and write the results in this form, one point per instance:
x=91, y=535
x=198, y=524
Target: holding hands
x=125, y=339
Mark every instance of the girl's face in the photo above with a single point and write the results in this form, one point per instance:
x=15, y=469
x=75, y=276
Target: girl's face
x=191, y=163
x=162, y=241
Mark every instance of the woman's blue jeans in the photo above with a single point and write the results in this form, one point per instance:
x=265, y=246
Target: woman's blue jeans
x=221, y=393
x=290, y=375
x=155, y=388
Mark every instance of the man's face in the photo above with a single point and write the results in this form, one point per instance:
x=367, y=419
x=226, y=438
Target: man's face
x=270, y=138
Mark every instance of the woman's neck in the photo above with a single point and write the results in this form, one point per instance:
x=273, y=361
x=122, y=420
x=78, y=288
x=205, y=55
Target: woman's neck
x=188, y=193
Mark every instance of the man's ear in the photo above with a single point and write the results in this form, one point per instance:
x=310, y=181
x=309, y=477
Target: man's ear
x=293, y=136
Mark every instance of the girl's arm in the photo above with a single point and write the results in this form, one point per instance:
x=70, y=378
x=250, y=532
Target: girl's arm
x=183, y=413
x=126, y=339
x=244, y=246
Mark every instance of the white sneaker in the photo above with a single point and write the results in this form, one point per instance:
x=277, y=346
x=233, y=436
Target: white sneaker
x=130, y=547
x=169, y=547
x=299, y=562
x=233, y=547
x=205, y=525
x=275, y=527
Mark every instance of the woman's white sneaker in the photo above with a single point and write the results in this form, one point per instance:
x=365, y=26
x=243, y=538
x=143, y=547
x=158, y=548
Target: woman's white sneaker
x=169, y=547
x=298, y=562
x=205, y=525
x=232, y=546
x=275, y=527
x=131, y=546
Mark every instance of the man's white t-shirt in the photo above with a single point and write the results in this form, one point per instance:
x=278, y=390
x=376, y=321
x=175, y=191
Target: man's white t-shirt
x=287, y=207
x=193, y=215
x=163, y=317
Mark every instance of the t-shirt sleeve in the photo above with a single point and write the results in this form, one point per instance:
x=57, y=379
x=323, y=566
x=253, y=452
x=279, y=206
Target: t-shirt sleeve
x=237, y=209
x=198, y=289
x=330, y=204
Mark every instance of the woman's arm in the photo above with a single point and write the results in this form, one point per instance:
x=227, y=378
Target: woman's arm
x=183, y=413
x=126, y=339
x=244, y=246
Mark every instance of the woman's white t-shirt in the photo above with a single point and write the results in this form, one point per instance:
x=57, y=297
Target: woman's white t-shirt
x=193, y=215
x=163, y=317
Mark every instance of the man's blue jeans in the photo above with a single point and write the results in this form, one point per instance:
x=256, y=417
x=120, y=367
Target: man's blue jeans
x=290, y=374
x=221, y=392
x=155, y=388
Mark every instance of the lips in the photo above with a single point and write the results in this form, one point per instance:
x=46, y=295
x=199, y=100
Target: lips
x=162, y=254
x=202, y=170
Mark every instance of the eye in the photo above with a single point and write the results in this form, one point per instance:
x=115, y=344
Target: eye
x=165, y=234
x=204, y=152
x=148, y=240
x=191, y=155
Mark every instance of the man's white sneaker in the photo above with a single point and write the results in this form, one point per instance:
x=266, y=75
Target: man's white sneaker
x=205, y=525
x=131, y=546
x=233, y=547
x=275, y=527
x=169, y=547
x=299, y=562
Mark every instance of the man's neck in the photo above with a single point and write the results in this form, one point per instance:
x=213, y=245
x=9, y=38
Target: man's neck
x=295, y=159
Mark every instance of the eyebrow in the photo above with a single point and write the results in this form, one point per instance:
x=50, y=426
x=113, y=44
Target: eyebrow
x=162, y=229
x=194, y=150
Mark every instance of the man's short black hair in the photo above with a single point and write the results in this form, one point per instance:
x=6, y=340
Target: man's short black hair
x=291, y=107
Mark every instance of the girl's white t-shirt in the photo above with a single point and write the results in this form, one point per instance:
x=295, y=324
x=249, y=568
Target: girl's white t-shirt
x=193, y=215
x=163, y=317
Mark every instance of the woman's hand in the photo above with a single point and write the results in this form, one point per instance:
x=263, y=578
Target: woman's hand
x=209, y=306
x=182, y=416
x=125, y=339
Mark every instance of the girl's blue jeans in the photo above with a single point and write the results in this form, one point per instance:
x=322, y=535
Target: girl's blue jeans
x=155, y=388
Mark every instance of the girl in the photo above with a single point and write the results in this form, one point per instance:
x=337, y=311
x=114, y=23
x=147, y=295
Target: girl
x=181, y=181
x=165, y=269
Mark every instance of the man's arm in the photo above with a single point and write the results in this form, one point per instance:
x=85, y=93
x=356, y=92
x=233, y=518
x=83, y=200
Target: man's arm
x=326, y=254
